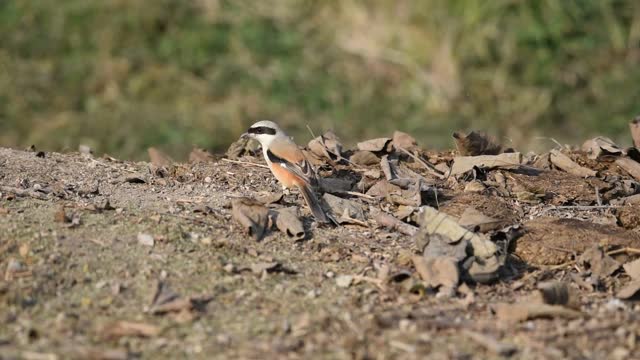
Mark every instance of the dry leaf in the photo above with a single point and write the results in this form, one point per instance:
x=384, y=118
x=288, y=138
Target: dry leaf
x=158, y=158
x=403, y=140
x=475, y=143
x=601, y=147
x=327, y=146
x=338, y=207
x=288, y=221
x=511, y=313
x=632, y=269
x=437, y=272
x=335, y=185
x=474, y=220
x=268, y=198
x=565, y=163
x=600, y=264
x=61, y=216
x=364, y=158
x=236, y=150
x=127, y=328
x=629, y=291
x=252, y=215
x=484, y=270
x=375, y=145
x=462, y=164
x=435, y=222
x=383, y=189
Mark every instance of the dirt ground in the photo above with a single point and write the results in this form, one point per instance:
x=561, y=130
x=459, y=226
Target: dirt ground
x=90, y=244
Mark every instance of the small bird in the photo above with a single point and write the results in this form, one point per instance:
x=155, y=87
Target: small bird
x=287, y=163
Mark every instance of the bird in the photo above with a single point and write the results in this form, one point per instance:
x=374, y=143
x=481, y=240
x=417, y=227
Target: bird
x=287, y=163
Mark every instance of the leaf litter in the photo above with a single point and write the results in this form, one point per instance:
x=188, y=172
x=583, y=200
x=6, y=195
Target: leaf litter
x=427, y=242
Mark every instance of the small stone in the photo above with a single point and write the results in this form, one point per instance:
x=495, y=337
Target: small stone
x=344, y=281
x=207, y=179
x=145, y=239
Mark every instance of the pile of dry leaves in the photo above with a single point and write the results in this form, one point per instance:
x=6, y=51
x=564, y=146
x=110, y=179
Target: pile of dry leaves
x=391, y=184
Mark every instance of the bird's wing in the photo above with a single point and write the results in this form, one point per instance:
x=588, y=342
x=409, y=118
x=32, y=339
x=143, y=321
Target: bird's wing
x=287, y=155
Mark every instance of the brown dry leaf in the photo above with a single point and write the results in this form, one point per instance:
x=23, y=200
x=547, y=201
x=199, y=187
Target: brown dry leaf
x=435, y=222
x=335, y=185
x=630, y=166
x=437, y=272
x=512, y=313
x=634, y=126
x=159, y=158
x=558, y=293
x=632, y=269
x=600, y=264
x=327, y=145
x=403, y=140
x=383, y=189
x=198, y=155
x=120, y=329
x=565, y=163
x=462, y=164
x=252, y=215
x=476, y=221
x=364, y=158
x=375, y=145
x=339, y=206
x=288, y=221
x=268, y=198
x=601, y=147
x=476, y=143
x=629, y=291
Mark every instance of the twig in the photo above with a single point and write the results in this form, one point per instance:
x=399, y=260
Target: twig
x=365, y=196
x=430, y=168
x=246, y=163
x=627, y=250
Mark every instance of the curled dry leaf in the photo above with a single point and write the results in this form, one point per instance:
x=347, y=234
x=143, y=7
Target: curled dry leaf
x=601, y=147
x=375, y=145
x=327, y=146
x=565, y=163
x=463, y=164
x=288, y=221
x=252, y=215
x=198, y=155
x=236, y=150
x=476, y=143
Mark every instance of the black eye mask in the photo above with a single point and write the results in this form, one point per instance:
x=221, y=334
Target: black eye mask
x=261, y=130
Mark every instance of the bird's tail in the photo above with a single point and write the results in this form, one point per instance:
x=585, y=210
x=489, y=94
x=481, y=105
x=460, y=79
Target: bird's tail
x=314, y=204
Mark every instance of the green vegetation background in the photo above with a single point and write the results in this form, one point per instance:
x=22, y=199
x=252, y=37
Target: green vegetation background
x=122, y=75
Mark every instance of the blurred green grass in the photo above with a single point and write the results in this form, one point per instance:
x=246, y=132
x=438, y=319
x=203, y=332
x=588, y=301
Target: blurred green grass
x=122, y=75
